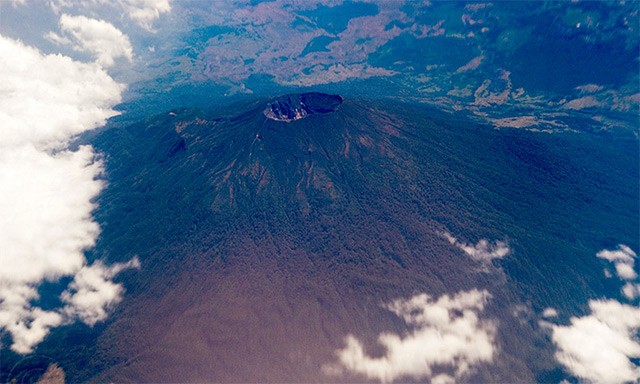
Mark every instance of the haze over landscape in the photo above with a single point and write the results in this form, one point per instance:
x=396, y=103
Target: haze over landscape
x=319, y=191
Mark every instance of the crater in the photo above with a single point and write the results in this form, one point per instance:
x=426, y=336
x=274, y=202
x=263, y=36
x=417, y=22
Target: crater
x=298, y=106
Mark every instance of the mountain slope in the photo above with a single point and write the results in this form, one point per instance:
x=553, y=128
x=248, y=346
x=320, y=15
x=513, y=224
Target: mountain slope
x=265, y=243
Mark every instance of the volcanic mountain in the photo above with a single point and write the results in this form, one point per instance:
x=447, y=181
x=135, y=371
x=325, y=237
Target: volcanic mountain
x=266, y=239
x=298, y=106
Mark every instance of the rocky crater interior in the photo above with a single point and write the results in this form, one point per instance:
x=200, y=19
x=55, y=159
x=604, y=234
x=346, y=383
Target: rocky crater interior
x=298, y=106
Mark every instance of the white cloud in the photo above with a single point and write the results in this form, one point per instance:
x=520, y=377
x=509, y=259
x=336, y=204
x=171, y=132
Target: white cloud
x=97, y=37
x=92, y=293
x=443, y=379
x=483, y=251
x=623, y=254
x=46, y=207
x=549, y=313
x=623, y=260
x=625, y=271
x=46, y=99
x=46, y=189
x=448, y=333
x=145, y=12
x=599, y=347
x=631, y=290
x=28, y=327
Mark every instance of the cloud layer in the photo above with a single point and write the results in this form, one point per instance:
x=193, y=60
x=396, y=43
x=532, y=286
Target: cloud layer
x=599, y=347
x=447, y=334
x=46, y=189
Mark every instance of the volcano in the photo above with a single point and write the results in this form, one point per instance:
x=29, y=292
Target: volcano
x=298, y=106
x=270, y=235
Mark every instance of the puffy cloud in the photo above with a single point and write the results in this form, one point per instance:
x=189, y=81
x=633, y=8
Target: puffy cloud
x=45, y=99
x=28, y=327
x=92, y=292
x=603, y=346
x=623, y=260
x=623, y=254
x=46, y=207
x=549, y=313
x=46, y=189
x=145, y=12
x=448, y=333
x=631, y=290
x=625, y=271
x=600, y=347
x=483, y=251
x=89, y=297
x=96, y=37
